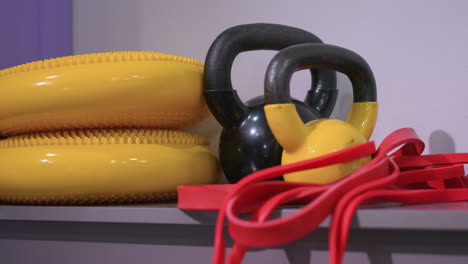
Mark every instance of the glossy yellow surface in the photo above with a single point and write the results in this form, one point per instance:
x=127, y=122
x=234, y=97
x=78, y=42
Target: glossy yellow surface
x=93, y=172
x=363, y=116
x=123, y=89
x=305, y=141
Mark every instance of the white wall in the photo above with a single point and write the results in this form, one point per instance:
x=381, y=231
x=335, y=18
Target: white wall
x=418, y=50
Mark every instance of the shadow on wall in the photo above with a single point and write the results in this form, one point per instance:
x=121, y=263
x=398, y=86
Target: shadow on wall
x=345, y=97
x=441, y=142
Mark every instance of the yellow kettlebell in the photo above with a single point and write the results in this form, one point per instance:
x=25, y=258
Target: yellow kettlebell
x=322, y=136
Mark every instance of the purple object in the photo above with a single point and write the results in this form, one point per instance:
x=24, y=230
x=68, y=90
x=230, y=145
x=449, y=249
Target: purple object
x=33, y=30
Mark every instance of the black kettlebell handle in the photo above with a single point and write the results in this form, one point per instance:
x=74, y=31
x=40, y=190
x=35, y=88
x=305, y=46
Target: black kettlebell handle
x=318, y=55
x=223, y=100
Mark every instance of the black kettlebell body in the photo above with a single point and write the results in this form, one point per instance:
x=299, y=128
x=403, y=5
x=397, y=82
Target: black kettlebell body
x=250, y=145
x=247, y=143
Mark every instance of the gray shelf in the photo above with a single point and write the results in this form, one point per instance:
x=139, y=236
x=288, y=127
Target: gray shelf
x=432, y=233
x=443, y=216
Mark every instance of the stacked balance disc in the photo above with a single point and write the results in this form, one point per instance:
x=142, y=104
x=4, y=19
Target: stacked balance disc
x=102, y=128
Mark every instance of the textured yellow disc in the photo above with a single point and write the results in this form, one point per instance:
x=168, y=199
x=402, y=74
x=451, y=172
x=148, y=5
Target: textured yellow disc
x=102, y=90
x=102, y=166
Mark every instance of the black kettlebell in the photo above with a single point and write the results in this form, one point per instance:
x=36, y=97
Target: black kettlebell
x=247, y=143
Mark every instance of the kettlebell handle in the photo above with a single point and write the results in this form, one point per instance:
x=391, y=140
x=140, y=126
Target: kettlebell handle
x=318, y=55
x=223, y=100
x=281, y=114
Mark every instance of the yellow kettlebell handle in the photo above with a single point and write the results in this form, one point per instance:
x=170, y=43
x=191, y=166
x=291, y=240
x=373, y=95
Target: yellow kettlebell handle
x=283, y=119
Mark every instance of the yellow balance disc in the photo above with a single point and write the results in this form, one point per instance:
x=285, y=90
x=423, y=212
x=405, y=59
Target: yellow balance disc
x=101, y=128
x=102, y=166
x=114, y=89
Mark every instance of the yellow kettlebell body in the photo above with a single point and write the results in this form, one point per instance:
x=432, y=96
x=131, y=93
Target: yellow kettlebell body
x=320, y=137
x=325, y=136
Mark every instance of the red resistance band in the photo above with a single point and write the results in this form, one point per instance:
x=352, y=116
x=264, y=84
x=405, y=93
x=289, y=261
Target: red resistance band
x=404, y=176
